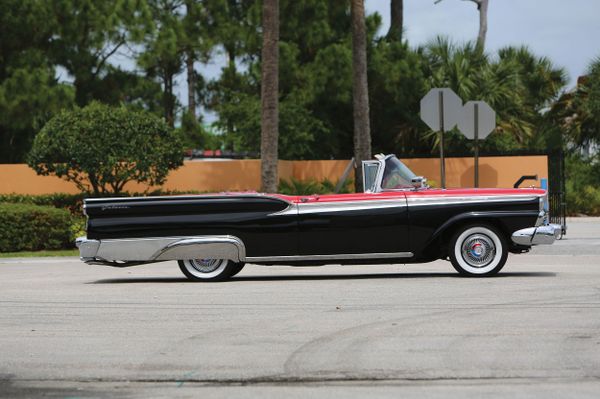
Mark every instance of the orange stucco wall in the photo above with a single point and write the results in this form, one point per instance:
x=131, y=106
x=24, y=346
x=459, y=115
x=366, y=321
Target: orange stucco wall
x=494, y=172
x=243, y=175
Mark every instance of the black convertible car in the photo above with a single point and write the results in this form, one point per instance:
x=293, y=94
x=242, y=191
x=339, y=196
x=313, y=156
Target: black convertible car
x=398, y=219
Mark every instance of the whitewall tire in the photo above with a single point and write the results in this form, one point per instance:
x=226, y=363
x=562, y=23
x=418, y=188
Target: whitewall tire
x=478, y=250
x=209, y=269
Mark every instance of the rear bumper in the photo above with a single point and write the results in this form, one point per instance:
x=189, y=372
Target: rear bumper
x=129, y=251
x=542, y=235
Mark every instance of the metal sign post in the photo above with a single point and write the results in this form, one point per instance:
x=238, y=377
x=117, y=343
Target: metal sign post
x=476, y=129
x=477, y=121
x=442, y=159
x=440, y=110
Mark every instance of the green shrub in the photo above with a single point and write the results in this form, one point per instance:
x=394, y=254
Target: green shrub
x=582, y=185
x=71, y=202
x=74, y=202
x=27, y=227
x=100, y=148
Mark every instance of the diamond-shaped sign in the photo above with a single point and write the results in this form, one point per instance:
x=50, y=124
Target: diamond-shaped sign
x=484, y=120
x=441, y=106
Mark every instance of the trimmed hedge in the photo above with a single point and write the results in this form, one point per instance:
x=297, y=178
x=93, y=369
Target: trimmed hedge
x=72, y=202
x=27, y=227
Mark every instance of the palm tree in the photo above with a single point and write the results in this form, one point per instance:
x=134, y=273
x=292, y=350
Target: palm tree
x=577, y=112
x=517, y=84
x=473, y=76
x=360, y=89
x=269, y=93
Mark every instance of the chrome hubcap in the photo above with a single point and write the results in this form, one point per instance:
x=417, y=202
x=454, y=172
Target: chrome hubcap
x=206, y=265
x=478, y=250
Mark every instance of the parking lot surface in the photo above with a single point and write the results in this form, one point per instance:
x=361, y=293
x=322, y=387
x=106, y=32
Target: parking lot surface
x=72, y=330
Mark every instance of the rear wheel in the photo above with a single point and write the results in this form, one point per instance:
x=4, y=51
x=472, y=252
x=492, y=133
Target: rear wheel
x=478, y=250
x=209, y=269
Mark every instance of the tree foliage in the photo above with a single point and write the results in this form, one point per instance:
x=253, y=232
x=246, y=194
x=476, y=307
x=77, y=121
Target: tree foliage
x=578, y=112
x=101, y=148
x=58, y=53
x=29, y=93
x=86, y=34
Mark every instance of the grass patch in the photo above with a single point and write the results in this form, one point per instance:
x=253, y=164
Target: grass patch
x=33, y=254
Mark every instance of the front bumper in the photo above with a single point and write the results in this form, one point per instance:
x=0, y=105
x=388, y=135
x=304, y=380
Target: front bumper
x=542, y=235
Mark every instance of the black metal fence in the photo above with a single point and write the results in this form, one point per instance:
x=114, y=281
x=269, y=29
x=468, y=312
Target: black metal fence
x=556, y=190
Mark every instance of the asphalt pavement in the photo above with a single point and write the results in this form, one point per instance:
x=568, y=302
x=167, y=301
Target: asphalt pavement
x=72, y=330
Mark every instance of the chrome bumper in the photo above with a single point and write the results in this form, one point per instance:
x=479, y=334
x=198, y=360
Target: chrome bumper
x=542, y=235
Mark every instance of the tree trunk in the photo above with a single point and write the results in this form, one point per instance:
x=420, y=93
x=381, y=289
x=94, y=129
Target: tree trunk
x=191, y=82
x=168, y=101
x=482, y=6
x=360, y=90
x=269, y=94
x=396, y=20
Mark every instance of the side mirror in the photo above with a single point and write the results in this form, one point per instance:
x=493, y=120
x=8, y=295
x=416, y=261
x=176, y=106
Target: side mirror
x=419, y=182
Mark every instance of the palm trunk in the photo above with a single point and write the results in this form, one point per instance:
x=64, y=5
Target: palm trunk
x=396, y=20
x=270, y=96
x=482, y=5
x=360, y=90
x=168, y=100
x=191, y=82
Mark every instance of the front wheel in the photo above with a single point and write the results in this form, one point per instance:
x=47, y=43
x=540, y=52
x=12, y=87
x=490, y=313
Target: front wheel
x=478, y=250
x=209, y=269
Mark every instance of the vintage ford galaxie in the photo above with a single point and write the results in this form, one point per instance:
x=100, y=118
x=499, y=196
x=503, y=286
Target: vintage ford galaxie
x=398, y=219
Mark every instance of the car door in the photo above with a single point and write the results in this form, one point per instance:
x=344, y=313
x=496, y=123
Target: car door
x=353, y=224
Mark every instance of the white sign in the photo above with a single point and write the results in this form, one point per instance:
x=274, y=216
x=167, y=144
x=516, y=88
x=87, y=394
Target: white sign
x=477, y=116
x=441, y=109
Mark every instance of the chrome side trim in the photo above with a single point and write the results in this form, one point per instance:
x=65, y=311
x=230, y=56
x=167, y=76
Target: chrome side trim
x=341, y=206
x=185, y=196
x=435, y=200
x=380, y=255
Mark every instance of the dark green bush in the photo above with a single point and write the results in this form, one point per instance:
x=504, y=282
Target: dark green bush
x=583, y=185
x=71, y=202
x=74, y=202
x=27, y=227
x=100, y=148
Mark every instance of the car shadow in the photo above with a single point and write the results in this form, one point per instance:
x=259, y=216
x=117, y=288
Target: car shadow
x=304, y=277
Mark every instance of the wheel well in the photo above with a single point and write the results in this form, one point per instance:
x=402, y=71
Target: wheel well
x=440, y=243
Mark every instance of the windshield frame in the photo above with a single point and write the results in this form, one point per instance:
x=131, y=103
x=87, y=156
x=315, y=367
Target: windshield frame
x=401, y=179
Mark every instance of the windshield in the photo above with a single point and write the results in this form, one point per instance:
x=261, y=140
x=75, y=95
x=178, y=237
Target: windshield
x=396, y=175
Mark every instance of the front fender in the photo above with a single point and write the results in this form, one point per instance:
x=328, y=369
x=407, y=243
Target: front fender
x=507, y=221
